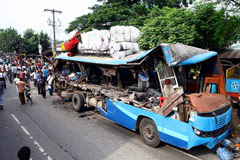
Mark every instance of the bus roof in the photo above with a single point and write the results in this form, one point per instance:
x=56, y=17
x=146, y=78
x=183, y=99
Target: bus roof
x=174, y=54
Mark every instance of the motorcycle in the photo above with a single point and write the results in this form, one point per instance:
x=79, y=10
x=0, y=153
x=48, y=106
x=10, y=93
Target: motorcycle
x=28, y=94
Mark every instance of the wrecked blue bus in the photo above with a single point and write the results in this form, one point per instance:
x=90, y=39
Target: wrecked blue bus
x=173, y=93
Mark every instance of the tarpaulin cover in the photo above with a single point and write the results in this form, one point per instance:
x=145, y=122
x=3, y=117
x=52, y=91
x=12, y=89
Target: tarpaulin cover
x=207, y=102
x=175, y=55
x=180, y=54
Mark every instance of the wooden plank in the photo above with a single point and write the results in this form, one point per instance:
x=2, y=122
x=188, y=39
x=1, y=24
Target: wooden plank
x=174, y=100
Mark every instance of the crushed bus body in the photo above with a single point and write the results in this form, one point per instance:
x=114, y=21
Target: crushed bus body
x=172, y=93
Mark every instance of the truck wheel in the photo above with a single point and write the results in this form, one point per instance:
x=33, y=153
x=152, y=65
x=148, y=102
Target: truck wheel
x=78, y=102
x=149, y=132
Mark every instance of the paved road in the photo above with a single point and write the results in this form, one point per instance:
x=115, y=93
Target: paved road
x=55, y=131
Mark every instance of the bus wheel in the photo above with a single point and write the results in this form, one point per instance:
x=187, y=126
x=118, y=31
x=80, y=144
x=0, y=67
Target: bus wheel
x=78, y=102
x=149, y=132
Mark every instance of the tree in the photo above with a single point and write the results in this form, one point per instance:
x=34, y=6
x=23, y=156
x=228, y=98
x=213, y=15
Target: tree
x=216, y=29
x=120, y=12
x=203, y=26
x=44, y=40
x=171, y=26
x=103, y=17
x=152, y=3
x=231, y=6
x=31, y=41
x=10, y=40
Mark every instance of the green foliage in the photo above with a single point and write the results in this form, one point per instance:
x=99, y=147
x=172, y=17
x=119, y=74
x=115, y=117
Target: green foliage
x=107, y=15
x=152, y=3
x=120, y=12
x=10, y=41
x=203, y=26
x=231, y=6
x=171, y=26
x=216, y=29
x=31, y=41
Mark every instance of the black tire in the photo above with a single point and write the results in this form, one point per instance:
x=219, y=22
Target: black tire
x=78, y=101
x=149, y=132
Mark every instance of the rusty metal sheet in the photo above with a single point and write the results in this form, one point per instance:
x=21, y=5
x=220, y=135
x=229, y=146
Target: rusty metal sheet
x=207, y=102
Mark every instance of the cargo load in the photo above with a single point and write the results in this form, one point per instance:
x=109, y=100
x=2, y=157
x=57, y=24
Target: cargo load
x=124, y=34
x=95, y=40
x=118, y=42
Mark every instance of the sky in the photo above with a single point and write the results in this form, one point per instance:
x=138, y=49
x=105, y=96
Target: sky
x=24, y=14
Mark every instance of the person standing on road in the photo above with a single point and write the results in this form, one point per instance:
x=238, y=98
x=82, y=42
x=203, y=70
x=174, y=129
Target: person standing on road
x=34, y=74
x=9, y=74
x=50, y=83
x=2, y=81
x=3, y=77
x=14, y=70
x=15, y=81
x=22, y=75
x=45, y=72
x=21, y=87
x=42, y=82
x=38, y=82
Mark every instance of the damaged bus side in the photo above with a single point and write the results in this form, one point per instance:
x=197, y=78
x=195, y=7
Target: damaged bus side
x=172, y=93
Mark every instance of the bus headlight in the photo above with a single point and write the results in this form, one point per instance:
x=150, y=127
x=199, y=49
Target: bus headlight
x=197, y=132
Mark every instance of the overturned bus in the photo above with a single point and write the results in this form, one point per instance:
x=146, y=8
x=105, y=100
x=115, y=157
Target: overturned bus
x=173, y=93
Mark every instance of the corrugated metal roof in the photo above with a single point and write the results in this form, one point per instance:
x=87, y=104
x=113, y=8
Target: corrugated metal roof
x=230, y=54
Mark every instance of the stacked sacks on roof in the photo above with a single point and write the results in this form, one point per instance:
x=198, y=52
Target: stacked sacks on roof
x=120, y=41
x=97, y=40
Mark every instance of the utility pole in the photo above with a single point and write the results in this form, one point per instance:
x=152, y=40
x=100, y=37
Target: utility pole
x=54, y=25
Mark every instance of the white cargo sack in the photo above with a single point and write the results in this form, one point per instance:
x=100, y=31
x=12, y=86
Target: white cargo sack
x=96, y=40
x=122, y=49
x=85, y=41
x=102, y=40
x=124, y=34
x=124, y=46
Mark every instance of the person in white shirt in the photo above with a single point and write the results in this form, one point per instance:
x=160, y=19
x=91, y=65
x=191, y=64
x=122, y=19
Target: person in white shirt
x=14, y=70
x=50, y=79
x=34, y=78
x=15, y=81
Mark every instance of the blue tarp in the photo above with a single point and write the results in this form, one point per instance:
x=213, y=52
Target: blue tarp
x=174, y=54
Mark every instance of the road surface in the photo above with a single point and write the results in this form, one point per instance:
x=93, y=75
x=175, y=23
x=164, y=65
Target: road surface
x=54, y=131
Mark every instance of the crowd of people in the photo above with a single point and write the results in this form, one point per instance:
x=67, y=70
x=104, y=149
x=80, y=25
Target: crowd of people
x=21, y=71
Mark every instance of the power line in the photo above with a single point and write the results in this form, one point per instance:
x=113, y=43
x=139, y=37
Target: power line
x=37, y=20
x=54, y=25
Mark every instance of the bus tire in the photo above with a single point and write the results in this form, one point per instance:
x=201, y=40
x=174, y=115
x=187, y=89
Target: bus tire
x=78, y=102
x=149, y=132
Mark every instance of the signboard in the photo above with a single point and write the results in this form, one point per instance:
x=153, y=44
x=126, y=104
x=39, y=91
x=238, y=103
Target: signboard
x=40, y=48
